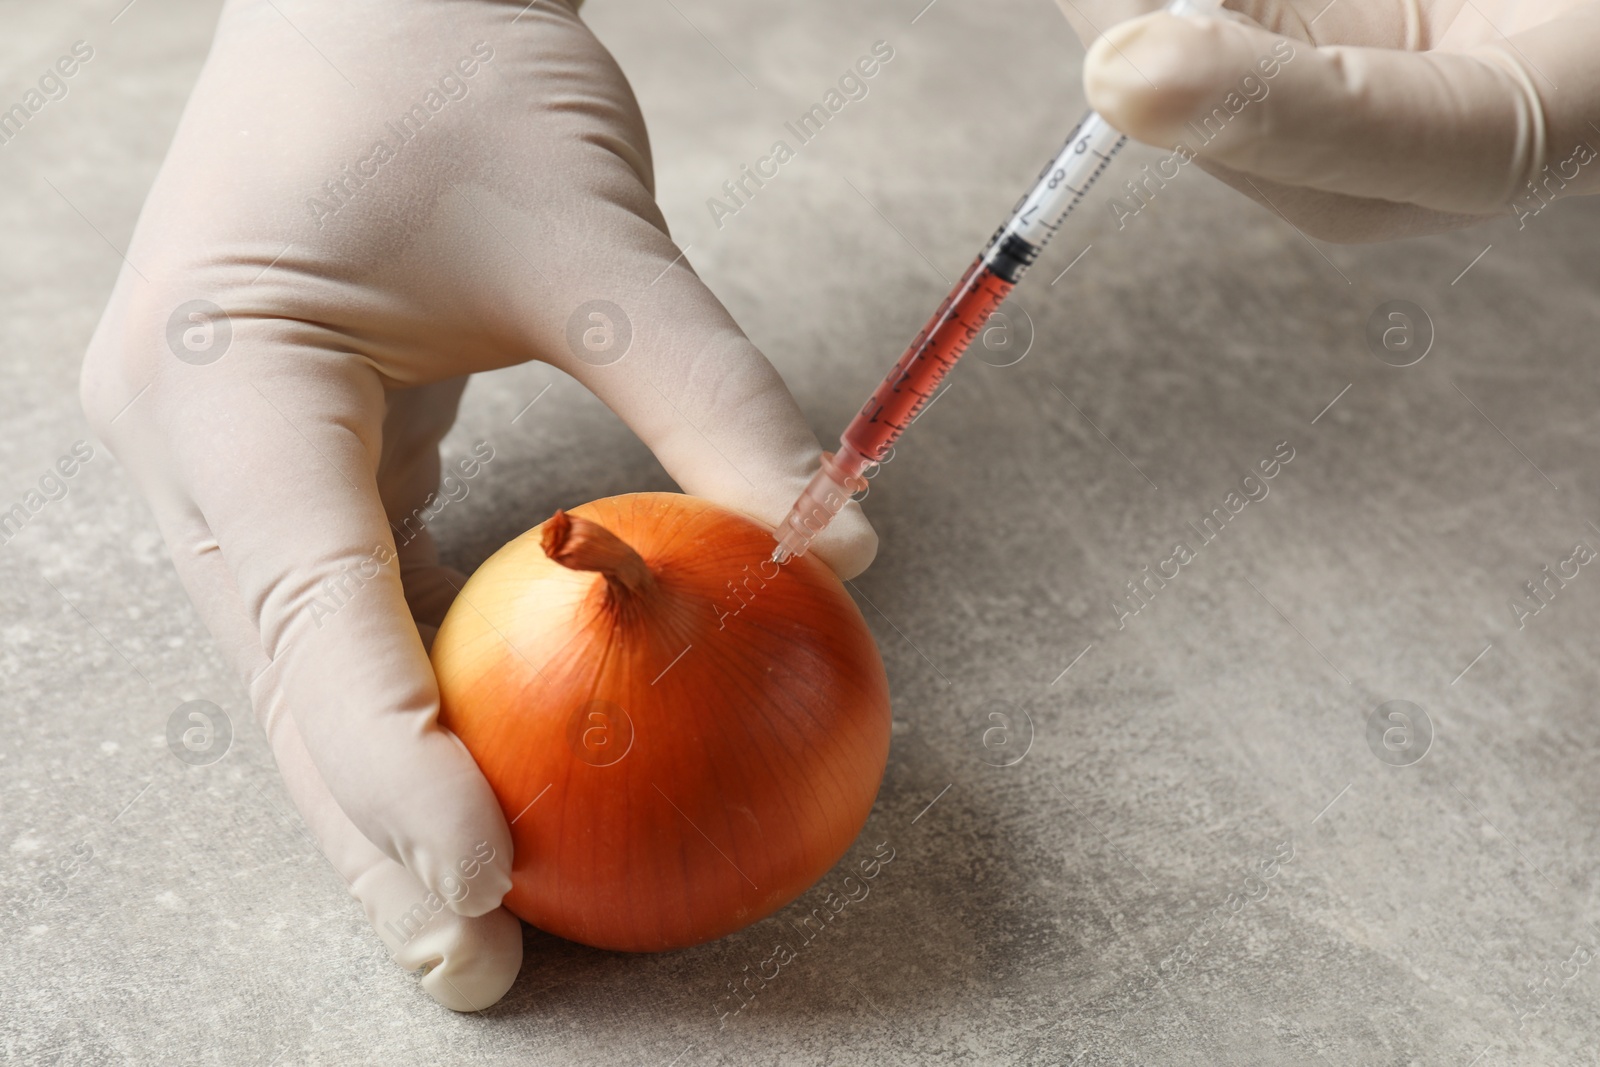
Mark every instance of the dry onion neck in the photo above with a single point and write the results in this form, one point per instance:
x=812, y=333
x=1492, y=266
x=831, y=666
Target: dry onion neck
x=582, y=545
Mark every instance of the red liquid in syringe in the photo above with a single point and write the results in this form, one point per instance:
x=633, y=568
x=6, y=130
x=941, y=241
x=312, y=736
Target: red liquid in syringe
x=914, y=381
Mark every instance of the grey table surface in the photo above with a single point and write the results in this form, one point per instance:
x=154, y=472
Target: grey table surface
x=1185, y=841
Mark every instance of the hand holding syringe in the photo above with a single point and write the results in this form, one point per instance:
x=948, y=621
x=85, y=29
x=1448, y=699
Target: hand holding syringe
x=914, y=381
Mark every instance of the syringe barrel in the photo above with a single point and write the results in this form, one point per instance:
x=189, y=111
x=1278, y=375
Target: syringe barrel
x=1064, y=182
x=914, y=382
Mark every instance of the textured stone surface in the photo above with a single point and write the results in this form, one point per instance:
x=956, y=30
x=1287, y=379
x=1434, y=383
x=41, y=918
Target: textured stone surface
x=1200, y=859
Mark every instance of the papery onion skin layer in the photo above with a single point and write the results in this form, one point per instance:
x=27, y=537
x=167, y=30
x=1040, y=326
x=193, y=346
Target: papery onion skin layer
x=754, y=756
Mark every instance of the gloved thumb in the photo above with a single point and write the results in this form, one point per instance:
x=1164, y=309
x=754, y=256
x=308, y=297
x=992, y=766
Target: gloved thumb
x=1455, y=132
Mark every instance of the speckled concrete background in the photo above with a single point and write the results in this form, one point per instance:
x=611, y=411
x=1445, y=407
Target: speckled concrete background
x=1177, y=843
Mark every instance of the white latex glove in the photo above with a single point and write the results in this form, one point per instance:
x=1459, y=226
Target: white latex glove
x=1403, y=117
x=361, y=285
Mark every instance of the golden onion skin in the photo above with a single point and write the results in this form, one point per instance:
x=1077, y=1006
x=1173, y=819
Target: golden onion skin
x=675, y=763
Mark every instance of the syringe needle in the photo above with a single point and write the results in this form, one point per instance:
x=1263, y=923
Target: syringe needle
x=903, y=393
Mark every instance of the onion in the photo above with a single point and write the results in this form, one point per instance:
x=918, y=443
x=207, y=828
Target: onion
x=683, y=736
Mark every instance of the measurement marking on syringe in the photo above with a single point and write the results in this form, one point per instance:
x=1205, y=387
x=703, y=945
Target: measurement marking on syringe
x=915, y=381
x=930, y=404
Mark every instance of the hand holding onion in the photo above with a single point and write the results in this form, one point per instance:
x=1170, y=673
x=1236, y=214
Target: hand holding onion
x=683, y=736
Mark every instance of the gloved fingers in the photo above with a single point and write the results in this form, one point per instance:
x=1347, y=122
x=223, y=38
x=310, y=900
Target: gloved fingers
x=1336, y=217
x=471, y=961
x=577, y=269
x=467, y=963
x=721, y=421
x=197, y=560
x=620, y=309
x=1454, y=133
x=282, y=466
x=1408, y=25
x=469, y=956
x=663, y=353
x=1285, y=17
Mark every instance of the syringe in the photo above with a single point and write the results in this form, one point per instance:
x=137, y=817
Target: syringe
x=914, y=381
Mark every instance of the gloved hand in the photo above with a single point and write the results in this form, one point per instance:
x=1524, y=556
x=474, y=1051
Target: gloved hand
x=382, y=198
x=1393, y=117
